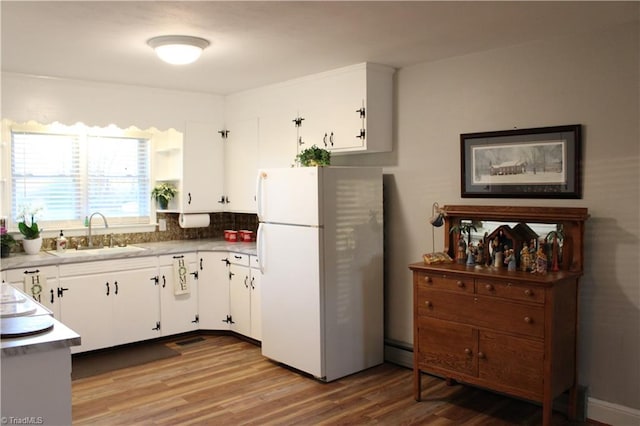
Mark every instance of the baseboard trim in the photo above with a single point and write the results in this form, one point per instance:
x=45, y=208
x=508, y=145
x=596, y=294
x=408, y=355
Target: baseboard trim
x=612, y=414
x=596, y=410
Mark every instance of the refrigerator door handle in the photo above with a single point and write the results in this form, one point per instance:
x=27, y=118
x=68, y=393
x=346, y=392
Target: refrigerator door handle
x=259, y=245
x=261, y=175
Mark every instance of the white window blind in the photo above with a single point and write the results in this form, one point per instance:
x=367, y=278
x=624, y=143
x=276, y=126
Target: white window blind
x=72, y=176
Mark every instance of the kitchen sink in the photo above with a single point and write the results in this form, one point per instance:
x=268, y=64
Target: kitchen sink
x=102, y=251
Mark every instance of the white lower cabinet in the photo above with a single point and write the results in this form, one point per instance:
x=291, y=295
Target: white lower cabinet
x=39, y=282
x=244, y=296
x=114, y=302
x=178, y=301
x=110, y=303
x=213, y=290
x=255, y=283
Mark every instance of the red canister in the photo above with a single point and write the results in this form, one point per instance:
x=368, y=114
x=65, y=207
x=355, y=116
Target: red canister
x=246, y=236
x=230, y=236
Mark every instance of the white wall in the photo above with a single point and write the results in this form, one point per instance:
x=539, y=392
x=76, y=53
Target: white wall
x=592, y=80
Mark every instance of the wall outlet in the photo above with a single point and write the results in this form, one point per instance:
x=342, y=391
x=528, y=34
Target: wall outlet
x=162, y=225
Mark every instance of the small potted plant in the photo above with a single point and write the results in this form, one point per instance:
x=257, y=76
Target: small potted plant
x=163, y=193
x=31, y=241
x=6, y=242
x=314, y=156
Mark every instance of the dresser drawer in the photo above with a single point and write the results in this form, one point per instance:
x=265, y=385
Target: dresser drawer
x=482, y=311
x=508, y=290
x=445, y=282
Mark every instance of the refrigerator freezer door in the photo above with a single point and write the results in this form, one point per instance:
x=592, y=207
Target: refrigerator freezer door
x=291, y=296
x=289, y=196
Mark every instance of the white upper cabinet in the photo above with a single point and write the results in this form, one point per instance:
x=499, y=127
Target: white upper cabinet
x=241, y=165
x=194, y=164
x=347, y=110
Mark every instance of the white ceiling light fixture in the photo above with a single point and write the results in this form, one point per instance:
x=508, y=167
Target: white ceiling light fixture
x=177, y=49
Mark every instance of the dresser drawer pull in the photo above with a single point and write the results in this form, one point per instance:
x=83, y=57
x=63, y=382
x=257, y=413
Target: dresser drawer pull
x=528, y=292
x=428, y=304
x=528, y=320
x=427, y=280
x=467, y=351
x=481, y=355
x=489, y=287
x=460, y=284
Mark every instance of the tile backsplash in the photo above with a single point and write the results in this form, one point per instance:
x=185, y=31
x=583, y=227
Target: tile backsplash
x=218, y=224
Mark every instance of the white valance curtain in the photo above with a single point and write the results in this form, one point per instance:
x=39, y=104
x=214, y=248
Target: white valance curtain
x=48, y=100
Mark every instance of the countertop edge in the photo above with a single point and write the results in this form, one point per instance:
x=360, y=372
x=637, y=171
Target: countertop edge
x=151, y=249
x=60, y=336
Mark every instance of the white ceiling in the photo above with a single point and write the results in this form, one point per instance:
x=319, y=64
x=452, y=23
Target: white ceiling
x=258, y=43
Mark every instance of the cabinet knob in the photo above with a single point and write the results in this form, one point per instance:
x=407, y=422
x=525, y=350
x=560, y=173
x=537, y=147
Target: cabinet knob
x=428, y=280
x=460, y=284
x=528, y=320
x=489, y=287
x=481, y=355
x=428, y=304
x=528, y=292
x=467, y=351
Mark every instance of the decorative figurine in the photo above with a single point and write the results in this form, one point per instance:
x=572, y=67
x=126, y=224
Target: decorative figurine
x=480, y=252
x=471, y=255
x=541, y=261
x=525, y=258
x=510, y=259
x=462, y=250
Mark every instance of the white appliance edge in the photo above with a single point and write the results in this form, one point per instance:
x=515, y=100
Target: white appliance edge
x=320, y=245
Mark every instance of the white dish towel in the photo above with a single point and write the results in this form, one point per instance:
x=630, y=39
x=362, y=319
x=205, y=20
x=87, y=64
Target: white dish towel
x=180, y=276
x=34, y=284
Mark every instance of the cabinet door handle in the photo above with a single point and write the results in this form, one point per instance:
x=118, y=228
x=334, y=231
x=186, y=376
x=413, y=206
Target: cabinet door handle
x=201, y=264
x=116, y=283
x=481, y=355
x=189, y=195
x=428, y=280
x=467, y=351
x=252, y=280
x=528, y=320
x=460, y=284
x=246, y=278
x=428, y=304
x=489, y=287
x=324, y=140
x=52, y=296
x=107, y=288
x=528, y=292
x=331, y=139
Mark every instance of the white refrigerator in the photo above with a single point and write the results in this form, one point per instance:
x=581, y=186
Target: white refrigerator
x=320, y=245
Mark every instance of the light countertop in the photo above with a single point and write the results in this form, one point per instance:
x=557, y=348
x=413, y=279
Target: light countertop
x=150, y=249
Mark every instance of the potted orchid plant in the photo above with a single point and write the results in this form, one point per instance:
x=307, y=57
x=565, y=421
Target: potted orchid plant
x=28, y=227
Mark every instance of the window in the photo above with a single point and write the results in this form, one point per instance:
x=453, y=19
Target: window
x=71, y=174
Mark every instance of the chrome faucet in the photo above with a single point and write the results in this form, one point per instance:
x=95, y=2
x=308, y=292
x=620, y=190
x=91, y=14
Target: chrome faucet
x=106, y=225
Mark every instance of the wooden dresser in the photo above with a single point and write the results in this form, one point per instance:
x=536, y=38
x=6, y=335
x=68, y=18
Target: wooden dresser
x=510, y=331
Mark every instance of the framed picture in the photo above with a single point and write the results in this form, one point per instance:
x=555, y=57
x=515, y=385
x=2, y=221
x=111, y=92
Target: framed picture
x=543, y=162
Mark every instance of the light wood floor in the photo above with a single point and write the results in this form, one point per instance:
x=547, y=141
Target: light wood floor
x=225, y=381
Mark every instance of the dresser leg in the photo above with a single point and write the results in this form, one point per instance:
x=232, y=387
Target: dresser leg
x=547, y=407
x=572, y=409
x=417, y=388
